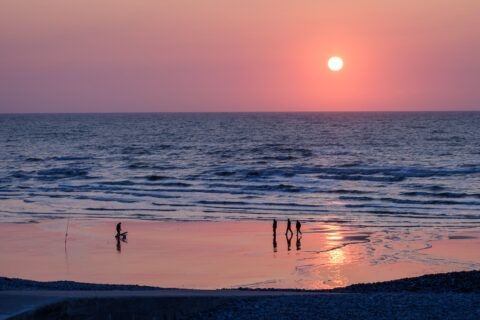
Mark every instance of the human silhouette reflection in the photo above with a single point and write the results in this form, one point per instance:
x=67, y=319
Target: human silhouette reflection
x=274, y=243
x=119, y=245
x=66, y=259
x=119, y=242
x=299, y=243
x=289, y=241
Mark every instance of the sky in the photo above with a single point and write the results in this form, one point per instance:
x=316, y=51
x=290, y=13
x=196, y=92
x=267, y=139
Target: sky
x=249, y=55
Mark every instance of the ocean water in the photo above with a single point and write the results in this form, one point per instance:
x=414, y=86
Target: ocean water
x=375, y=170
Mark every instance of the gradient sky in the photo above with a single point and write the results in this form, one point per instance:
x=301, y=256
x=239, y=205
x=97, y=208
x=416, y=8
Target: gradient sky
x=270, y=55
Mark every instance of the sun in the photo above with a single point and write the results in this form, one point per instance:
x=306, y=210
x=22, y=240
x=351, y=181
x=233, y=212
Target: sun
x=335, y=63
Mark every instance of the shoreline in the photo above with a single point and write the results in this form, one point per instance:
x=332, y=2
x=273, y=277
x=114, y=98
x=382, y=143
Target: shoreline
x=212, y=255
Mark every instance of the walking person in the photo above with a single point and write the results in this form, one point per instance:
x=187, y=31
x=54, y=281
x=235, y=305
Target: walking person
x=274, y=227
x=119, y=229
x=289, y=227
x=298, y=226
x=120, y=234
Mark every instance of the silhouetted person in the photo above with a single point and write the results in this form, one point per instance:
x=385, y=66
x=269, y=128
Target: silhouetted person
x=289, y=227
x=289, y=241
x=298, y=227
x=274, y=227
x=299, y=244
x=119, y=229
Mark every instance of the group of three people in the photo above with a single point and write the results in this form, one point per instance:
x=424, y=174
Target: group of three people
x=298, y=226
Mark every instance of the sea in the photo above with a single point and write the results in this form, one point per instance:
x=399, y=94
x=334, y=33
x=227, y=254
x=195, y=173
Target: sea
x=363, y=170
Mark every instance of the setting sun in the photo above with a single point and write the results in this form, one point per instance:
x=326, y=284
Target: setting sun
x=335, y=63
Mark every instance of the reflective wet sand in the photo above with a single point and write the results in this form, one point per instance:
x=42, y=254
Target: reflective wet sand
x=208, y=255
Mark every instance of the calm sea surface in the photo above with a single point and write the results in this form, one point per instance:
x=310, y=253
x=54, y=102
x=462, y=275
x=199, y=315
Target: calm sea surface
x=376, y=170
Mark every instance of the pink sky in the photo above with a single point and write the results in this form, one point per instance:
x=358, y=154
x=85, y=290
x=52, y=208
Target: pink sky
x=177, y=55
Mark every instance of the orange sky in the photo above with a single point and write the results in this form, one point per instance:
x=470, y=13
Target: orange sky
x=177, y=55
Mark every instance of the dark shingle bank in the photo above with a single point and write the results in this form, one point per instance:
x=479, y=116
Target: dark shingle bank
x=20, y=284
x=465, y=282
x=441, y=296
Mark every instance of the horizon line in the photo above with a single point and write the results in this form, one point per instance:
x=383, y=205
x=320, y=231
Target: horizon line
x=237, y=112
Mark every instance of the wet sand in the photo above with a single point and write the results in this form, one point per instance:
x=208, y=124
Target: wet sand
x=211, y=255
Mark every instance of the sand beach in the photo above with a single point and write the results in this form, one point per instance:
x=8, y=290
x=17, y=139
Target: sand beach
x=216, y=255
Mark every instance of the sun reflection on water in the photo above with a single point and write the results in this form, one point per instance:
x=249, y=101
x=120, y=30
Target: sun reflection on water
x=336, y=256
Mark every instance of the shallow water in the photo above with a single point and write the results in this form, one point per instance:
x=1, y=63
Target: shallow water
x=211, y=255
x=384, y=170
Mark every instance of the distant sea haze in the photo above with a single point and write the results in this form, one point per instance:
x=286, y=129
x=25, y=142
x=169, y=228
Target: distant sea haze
x=375, y=170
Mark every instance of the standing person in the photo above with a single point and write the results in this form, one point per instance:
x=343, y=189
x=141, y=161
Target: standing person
x=274, y=227
x=289, y=226
x=298, y=226
x=119, y=229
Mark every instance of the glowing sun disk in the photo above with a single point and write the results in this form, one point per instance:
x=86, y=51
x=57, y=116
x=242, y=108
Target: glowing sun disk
x=335, y=63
